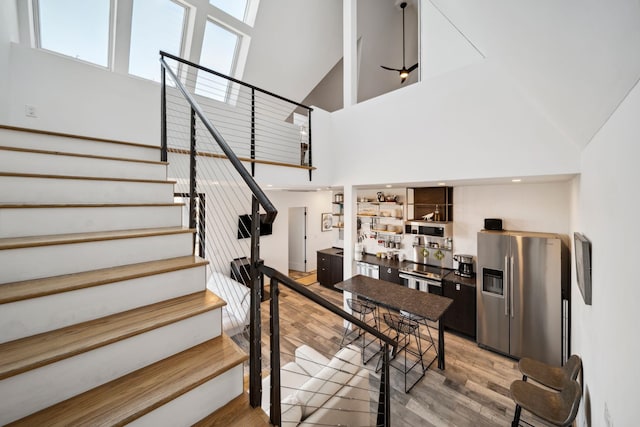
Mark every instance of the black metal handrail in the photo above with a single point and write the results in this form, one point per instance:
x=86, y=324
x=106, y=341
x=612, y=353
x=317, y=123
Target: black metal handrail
x=384, y=398
x=270, y=210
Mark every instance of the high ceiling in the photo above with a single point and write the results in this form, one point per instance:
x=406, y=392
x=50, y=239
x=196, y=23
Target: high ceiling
x=575, y=60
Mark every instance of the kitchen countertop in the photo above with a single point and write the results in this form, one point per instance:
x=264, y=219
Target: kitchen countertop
x=384, y=262
x=453, y=277
x=332, y=251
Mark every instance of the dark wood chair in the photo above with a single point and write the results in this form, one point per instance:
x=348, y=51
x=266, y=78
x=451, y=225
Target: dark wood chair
x=558, y=408
x=554, y=377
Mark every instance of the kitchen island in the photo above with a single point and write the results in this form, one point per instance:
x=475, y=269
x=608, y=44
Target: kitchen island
x=424, y=304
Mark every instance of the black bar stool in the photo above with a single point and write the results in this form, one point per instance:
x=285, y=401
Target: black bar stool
x=404, y=329
x=554, y=377
x=425, y=322
x=557, y=408
x=362, y=309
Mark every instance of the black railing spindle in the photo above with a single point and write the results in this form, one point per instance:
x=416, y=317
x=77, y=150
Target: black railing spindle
x=275, y=411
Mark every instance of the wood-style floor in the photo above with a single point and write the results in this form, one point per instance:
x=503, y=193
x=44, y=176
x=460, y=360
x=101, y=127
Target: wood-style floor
x=473, y=390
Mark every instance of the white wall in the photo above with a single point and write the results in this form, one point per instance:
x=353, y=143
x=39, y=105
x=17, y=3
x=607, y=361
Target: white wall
x=470, y=123
x=542, y=207
x=274, y=249
x=604, y=333
x=8, y=33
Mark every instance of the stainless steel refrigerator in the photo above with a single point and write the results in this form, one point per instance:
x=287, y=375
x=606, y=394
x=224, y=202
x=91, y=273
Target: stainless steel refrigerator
x=521, y=278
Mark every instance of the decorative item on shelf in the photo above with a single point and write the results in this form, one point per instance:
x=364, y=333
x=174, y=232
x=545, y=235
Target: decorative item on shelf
x=380, y=196
x=436, y=214
x=326, y=221
x=339, y=198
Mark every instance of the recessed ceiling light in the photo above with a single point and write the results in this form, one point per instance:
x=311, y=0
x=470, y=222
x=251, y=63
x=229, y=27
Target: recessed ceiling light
x=318, y=189
x=269, y=185
x=388, y=185
x=516, y=180
x=442, y=183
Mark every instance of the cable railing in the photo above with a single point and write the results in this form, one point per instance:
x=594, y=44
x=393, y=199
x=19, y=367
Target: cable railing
x=260, y=127
x=229, y=212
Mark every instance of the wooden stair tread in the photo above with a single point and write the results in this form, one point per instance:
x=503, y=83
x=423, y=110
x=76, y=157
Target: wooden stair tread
x=89, y=178
x=238, y=413
x=86, y=205
x=74, y=136
x=63, y=239
x=123, y=400
x=37, y=350
x=17, y=291
x=87, y=156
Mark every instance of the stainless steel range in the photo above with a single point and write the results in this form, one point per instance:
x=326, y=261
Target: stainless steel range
x=426, y=278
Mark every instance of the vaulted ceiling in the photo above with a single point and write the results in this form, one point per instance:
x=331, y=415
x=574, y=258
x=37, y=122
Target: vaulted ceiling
x=576, y=60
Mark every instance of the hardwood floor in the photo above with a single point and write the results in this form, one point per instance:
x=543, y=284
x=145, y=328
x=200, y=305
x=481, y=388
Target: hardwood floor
x=473, y=390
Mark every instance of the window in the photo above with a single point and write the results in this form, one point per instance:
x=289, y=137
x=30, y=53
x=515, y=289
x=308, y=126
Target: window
x=235, y=8
x=218, y=53
x=77, y=28
x=155, y=25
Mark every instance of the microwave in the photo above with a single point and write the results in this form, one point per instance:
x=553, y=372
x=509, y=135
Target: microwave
x=429, y=228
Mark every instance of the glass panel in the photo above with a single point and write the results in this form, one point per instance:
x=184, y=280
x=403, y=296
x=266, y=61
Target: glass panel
x=218, y=52
x=77, y=28
x=155, y=25
x=235, y=8
x=492, y=281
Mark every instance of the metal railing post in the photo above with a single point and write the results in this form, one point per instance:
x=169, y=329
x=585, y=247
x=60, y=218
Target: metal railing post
x=255, y=348
x=310, y=147
x=192, y=176
x=253, y=131
x=163, y=114
x=275, y=415
x=384, y=397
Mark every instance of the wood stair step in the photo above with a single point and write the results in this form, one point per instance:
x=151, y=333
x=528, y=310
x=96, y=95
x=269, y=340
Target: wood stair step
x=86, y=205
x=38, y=350
x=238, y=413
x=74, y=136
x=88, y=156
x=62, y=239
x=17, y=291
x=127, y=398
x=90, y=178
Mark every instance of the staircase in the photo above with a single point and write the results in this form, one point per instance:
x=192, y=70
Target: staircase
x=104, y=314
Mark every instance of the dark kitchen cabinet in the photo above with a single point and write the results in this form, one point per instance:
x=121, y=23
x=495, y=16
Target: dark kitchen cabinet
x=426, y=200
x=330, y=268
x=461, y=316
x=390, y=274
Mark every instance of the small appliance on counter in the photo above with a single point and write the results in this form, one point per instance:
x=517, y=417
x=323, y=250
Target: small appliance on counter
x=493, y=224
x=465, y=265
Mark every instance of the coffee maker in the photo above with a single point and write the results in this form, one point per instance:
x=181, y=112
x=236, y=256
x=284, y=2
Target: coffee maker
x=465, y=265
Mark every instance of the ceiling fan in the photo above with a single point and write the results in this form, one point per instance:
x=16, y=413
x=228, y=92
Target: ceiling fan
x=404, y=71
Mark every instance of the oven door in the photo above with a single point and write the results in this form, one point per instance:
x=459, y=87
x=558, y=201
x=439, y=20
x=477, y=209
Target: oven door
x=422, y=284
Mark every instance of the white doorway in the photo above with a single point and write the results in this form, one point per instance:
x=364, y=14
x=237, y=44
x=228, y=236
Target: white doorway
x=298, y=239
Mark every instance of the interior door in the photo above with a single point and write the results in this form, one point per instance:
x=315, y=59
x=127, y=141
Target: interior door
x=492, y=291
x=298, y=239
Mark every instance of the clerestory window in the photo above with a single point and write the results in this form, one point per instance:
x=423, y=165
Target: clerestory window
x=235, y=8
x=155, y=25
x=218, y=53
x=76, y=28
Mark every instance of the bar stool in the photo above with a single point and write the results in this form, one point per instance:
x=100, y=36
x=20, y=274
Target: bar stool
x=554, y=377
x=557, y=408
x=362, y=308
x=404, y=329
x=425, y=322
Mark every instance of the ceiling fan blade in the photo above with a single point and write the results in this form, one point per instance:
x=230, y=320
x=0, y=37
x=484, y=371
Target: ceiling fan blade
x=390, y=69
x=413, y=67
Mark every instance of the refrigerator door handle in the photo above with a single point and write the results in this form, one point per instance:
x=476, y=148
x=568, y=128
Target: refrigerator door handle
x=511, y=287
x=506, y=288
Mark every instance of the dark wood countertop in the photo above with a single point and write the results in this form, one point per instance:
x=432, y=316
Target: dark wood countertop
x=399, y=297
x=468, y=281
x=332, y=251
